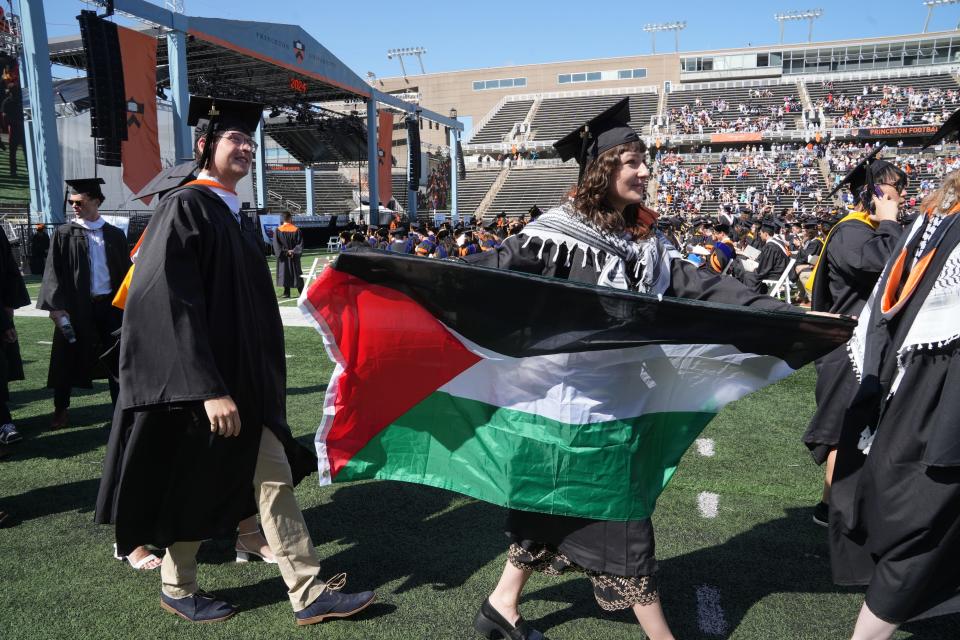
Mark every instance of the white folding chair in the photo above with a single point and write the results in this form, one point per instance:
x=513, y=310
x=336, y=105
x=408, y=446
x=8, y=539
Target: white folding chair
x=333, y=243
x=782, y=285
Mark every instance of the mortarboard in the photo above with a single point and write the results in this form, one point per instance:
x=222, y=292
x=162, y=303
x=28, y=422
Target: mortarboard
x=168, y=179
x=601, y=133
x=948, y=128
x=86, y=186
x=212, y=115
x=862, y=175
x=89, y=186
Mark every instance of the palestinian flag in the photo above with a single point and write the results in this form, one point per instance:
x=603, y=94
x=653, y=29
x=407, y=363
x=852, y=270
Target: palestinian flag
x=528, y=392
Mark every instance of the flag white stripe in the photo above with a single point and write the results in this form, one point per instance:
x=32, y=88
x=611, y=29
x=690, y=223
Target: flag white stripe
x=599, y=386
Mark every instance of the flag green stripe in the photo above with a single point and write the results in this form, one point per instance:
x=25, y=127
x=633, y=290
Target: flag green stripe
x=608, y=470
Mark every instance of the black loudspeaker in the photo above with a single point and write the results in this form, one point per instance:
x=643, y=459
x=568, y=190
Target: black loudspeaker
x=413, y=149
x=461, y=164
x=108, y=106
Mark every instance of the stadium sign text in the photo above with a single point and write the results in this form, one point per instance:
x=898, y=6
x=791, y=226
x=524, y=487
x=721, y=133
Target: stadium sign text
x=886, y=132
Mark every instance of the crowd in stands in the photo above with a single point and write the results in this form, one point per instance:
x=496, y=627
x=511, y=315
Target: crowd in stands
x=719, y=116
x=438, y=187
x=780, y=176
x=888, y=105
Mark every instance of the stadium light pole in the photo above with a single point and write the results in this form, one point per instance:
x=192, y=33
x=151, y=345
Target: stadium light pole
x=806, y=14
x=930, y=4
x=676, y=27
x=407, y=51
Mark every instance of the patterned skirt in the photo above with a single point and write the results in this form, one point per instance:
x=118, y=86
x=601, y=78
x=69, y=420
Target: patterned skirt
x=612, y=592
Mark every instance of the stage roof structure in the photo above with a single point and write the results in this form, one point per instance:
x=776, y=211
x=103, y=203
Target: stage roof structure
x=279, y=65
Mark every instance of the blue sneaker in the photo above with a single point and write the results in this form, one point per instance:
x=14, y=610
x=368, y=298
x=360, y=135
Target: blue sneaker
x=200, y=607
x=9, y=434
x=332, y=604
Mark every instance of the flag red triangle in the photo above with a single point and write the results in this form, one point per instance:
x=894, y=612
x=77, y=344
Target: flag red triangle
x=394, y=354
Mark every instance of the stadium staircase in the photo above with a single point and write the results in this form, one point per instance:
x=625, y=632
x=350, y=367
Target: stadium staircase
x=494, y=189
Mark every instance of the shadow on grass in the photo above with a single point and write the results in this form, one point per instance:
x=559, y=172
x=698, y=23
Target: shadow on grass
x=413, y=533
x=787, y=555
x=80, y=496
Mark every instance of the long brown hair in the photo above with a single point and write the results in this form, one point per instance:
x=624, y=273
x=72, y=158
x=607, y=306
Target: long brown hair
x=939, y=197
x=591, y=196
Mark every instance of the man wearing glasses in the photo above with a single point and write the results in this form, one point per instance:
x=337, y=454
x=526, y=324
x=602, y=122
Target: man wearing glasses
x=201, y=423
x=87, y=261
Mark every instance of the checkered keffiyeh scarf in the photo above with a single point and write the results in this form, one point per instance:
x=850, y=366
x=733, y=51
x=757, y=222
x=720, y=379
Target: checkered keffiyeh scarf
x=622, y=263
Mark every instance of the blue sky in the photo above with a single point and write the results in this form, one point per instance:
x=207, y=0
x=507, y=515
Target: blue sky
x=487, y=33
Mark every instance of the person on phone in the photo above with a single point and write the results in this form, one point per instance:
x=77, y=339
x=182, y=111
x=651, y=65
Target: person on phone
x=87, y=261
x=849, y=265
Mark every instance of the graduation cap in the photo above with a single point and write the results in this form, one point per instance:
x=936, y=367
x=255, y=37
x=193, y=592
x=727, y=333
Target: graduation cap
x=169, y=178
x=86, y=186
x=863, y=174
x=947, y=129
x=601, y=133
x=213, y=115
x=770, y=226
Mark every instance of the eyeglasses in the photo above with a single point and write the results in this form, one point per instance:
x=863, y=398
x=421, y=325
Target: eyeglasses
x=75, y=203
x=241, y=140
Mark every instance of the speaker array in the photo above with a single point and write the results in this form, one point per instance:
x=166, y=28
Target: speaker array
x=108, y=106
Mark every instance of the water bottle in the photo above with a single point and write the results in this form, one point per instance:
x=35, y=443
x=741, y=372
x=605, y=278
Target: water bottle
x=67, y=329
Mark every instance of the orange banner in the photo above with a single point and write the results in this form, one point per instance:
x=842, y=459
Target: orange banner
x=140, y=152
x=385, y=145
x=736, y=137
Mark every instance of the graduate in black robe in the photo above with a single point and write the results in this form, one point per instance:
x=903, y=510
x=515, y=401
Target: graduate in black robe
x=895, y=502
x=855, y=253
x=202, y=406
x=69, y=287
x=567, y=242
x=288, y=247
x=14, y=295
x=773, y=259
x=39, y=247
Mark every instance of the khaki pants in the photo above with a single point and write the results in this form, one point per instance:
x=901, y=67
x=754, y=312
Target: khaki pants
x=283, y=526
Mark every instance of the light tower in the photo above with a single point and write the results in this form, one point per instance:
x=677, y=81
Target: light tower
x=407, y=51
x=930, y=4
x=676, y=27
x=806, y=14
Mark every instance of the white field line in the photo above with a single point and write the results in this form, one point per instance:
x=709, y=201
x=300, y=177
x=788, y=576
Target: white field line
x=705, y=447
x=707, y=503
x=710, y=616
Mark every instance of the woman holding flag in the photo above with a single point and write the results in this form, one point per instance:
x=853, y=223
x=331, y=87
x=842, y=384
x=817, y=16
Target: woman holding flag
x=588, y=239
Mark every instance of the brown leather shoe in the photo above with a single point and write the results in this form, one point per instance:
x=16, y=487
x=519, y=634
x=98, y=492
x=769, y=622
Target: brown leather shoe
x=59, y=419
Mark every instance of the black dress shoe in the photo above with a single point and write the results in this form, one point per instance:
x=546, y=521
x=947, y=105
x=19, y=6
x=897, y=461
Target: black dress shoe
x=490, y=624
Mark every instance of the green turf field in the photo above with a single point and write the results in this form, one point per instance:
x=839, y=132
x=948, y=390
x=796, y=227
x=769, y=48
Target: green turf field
x=760, y=566
x=306, y=261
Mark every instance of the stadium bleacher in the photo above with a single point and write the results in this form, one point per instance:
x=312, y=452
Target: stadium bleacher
x=557, y=117
x=718, y=108
x=502, y=121
x=895, y=101
x=332, y=192
x=472, y=191
x=525, y=187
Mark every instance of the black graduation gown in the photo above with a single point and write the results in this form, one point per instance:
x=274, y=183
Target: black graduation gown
x=771, y=263
x=14, y=294
x=616, y=548
x=895, y=513
x=849, y=269
x=201, y=322
x=39, y=246
x=289, y=269
x=66, y=285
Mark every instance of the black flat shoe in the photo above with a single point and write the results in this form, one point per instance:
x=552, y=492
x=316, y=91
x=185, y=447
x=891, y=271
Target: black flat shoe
x=491, y=625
